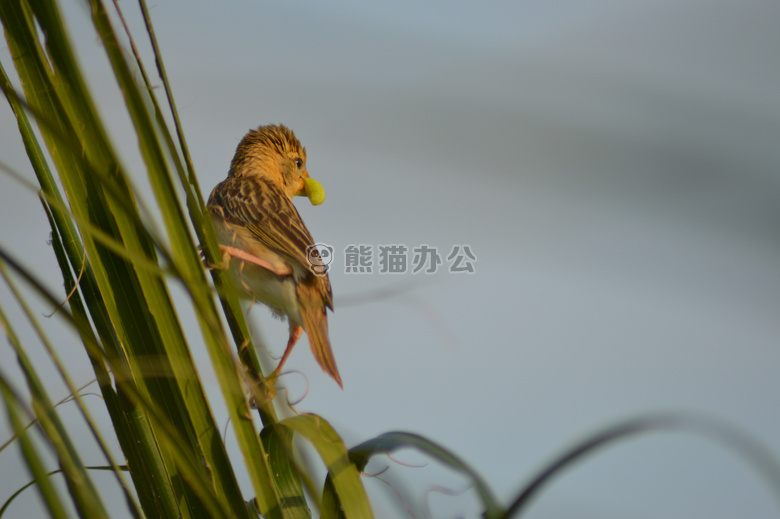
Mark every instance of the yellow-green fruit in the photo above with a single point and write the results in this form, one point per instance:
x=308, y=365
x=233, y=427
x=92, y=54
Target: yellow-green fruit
x=314, y=191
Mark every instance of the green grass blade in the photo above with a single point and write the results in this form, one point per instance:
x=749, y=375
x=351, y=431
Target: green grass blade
x=83, y=491
x=51, y=498
x=192, y=472
x=392, y=441
x=201, y=225
x=753, y=452
x=155, y=345
x=342, y=473
x=277, y=441
x=32, y=70
x=187, y=259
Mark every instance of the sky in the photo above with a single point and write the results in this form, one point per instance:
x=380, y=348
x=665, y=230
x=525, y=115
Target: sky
x=613, y=169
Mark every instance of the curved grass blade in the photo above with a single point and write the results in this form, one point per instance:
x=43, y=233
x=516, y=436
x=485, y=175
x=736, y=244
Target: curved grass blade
x=342, y=473
x=753, y=452
x=392, y=441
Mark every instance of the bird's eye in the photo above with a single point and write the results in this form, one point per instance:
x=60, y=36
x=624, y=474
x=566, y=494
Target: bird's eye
x=298, y=162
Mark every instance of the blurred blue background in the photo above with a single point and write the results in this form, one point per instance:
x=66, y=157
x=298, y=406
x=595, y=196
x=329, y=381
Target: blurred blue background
x=613, y=166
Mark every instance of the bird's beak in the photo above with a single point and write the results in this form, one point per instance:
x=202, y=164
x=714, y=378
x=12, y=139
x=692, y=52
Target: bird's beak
x=302, y=187
x=312, y=189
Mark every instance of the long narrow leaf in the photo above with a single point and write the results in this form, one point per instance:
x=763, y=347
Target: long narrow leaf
x=342, y=473
x=81, y=487
x=51, y=499
x=192, y=473
x=760, y=458
x=392, y=441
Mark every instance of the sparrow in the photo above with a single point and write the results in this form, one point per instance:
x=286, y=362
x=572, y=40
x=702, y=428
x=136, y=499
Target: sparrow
x=264, y=242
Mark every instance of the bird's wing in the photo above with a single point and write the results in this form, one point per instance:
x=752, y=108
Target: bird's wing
x=271, y=218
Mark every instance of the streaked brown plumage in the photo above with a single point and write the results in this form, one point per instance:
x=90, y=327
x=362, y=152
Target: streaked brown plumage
x=264, y=240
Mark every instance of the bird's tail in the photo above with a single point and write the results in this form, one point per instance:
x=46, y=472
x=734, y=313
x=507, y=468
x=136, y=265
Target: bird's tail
x=315, y=323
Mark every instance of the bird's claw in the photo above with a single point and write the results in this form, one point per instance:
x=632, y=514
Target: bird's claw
x=222, y=265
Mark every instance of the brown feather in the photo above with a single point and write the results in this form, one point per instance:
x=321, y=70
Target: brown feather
x=315, y=323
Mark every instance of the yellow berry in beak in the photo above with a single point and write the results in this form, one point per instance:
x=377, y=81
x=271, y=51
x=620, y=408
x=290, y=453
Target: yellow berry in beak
x=314, y=191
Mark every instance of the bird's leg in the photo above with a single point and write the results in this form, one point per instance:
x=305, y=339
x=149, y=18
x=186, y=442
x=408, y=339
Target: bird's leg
x=224, y=264
x=233, y=252
x=295, y=334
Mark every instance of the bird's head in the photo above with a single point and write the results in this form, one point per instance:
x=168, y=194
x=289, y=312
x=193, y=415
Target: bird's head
x=272, y=152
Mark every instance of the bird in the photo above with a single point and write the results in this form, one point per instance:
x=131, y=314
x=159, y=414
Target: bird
x=264, y=242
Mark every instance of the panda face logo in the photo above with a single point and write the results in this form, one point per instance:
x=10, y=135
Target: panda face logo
x=319, y=256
